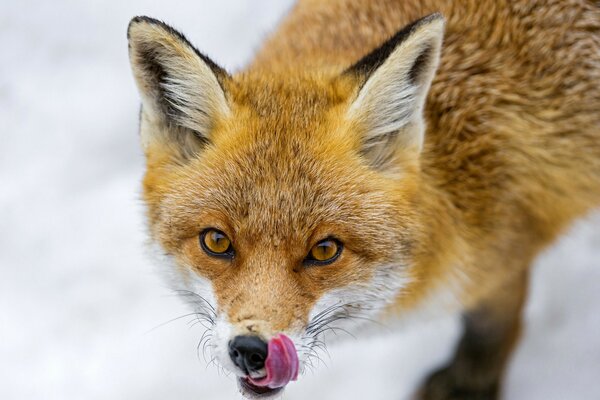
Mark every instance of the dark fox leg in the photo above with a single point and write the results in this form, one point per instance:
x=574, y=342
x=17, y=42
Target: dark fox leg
x=491, y=330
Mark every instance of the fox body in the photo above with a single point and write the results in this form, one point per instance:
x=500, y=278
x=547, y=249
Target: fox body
x=441, y=157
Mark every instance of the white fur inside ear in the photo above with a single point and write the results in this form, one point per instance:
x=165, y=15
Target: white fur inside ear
x=194, y=91
x=392, y=99
x=385, y=104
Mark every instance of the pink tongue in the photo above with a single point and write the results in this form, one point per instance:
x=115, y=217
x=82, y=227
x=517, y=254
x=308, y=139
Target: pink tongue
x=281, y=363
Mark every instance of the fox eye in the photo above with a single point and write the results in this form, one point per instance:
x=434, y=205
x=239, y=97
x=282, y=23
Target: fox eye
x=324, y=252
x=216, y=243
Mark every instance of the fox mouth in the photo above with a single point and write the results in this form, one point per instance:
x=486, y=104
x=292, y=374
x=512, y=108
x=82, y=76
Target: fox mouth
x=280, y=367
x=253, y=391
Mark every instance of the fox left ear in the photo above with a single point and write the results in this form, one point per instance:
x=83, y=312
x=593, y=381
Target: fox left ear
x=181, y=89
x=395, y=80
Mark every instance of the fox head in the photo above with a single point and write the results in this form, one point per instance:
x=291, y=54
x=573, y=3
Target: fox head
x=286, y=201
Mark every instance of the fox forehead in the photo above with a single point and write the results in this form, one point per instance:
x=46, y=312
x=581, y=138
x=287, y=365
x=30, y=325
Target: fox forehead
x=265, y=189
x=282, y=166
x=294, y=99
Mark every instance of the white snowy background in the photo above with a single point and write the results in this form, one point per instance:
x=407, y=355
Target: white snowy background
x=77, y=293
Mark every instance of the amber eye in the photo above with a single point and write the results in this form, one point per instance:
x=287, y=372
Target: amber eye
x=324, y=252
x=216, y=243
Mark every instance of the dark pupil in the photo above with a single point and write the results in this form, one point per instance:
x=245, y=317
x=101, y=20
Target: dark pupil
x=324, y=248
x=217, y=238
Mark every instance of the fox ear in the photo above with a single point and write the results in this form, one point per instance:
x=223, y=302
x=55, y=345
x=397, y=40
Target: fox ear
x=181, y=89
x=395, y=80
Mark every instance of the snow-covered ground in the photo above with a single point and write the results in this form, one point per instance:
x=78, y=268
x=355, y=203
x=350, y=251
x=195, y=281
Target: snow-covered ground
x=77, y=294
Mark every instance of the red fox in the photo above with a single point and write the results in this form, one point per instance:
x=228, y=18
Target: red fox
x=373, y=155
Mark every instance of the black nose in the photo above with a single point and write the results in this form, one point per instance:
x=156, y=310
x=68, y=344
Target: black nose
x=248, y=353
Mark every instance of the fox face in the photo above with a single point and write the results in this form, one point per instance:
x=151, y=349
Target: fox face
x=285, y=202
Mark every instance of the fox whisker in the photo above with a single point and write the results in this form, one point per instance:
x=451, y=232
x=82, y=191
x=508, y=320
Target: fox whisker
x=205, y=304
x=171, y=320
x=323, y=322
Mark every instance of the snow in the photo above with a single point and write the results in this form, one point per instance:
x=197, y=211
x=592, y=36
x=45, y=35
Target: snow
x=78, y=295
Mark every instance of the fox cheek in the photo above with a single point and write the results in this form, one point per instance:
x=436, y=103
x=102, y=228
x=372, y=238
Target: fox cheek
x=222, y=334
x=352, y=306
x=214, y=341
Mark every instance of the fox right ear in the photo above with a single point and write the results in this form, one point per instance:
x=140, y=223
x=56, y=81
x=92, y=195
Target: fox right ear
x=181, y=89
x=393, y=84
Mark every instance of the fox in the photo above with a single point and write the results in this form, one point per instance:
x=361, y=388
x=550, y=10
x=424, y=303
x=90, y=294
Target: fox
x=374, y=156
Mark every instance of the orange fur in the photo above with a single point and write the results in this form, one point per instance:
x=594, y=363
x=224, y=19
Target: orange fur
x=511, y=157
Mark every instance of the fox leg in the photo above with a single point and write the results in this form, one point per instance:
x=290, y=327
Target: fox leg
x=491, y=330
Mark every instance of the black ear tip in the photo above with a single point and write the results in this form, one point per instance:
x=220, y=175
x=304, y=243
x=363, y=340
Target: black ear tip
x=137, y=20
x=431, y=18
x=373, y=60
x=142, y=19
x=435, y=17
